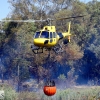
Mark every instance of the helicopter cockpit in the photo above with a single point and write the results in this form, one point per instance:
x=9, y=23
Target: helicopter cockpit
x=42, y=34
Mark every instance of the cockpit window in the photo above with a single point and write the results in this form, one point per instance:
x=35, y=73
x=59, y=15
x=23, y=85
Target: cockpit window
x=51, y=35
x=44, y=34
x=37, y=35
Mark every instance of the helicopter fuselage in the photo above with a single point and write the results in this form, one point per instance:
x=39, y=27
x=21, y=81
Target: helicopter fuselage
x=45, y=42
x=48, y=38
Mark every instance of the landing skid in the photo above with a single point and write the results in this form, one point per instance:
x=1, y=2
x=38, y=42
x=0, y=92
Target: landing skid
x=36, y=50
x=58, y=49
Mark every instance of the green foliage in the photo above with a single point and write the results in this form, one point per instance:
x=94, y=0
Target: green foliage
x=9, y=92
x=62, y=77
x=2, y=38
x=28, y=96
x=17, y=48
x=27, y=28
x=7, y=27
x=77, y=93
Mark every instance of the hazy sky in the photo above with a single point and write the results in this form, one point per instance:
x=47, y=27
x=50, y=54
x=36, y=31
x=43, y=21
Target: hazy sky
x=5, y=8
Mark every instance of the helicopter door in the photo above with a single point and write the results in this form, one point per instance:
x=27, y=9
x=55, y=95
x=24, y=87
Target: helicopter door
x=54, y=36
x=51, y=38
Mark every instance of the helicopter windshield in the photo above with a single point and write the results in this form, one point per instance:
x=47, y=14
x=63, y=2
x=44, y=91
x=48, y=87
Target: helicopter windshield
x=37, y=35
x=44, y=34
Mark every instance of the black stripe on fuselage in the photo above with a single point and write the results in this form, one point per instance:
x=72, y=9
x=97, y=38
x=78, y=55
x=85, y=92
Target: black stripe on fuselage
x=60, y=35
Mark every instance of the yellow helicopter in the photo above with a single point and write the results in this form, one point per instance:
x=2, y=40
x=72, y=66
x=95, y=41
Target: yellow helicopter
x=47, y=38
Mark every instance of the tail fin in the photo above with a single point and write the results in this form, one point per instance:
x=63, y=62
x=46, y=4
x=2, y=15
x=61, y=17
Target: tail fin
x=67, y=34
x=69, y=27
x=69, y=31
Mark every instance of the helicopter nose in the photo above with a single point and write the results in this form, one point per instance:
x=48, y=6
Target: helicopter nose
x=40, y=42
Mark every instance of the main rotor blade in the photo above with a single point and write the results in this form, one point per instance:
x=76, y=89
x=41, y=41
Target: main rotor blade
x=68, y=17
x=22, y=20
x=31, y=20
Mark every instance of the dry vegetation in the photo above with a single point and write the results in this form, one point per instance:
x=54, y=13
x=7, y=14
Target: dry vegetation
x=74, y=93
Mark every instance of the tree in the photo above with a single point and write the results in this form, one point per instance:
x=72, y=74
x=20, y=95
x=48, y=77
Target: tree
x=15, y=42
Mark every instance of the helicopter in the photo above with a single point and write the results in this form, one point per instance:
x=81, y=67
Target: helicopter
x=48, y=38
